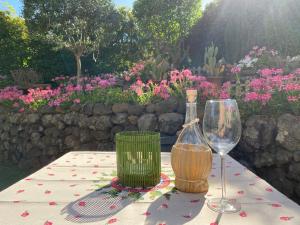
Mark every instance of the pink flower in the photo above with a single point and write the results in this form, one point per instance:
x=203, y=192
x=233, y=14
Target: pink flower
x=236, y=70
x=257, y=84
x=251, y=96
x=292, y=87
x=293, y=98
x=137, y=87
x=89, y=87
x=226, y=85
x=127, y=78
x=266, y=72
x=162, y=90
x=197, y=78
x=269, y=72
x=137, y=68
x=10, y=93
x=139, y=91
x=297, y=71
x=224, y=95
x=186, y=73
x=76, y=101
x=140, y=83
x=264, y=98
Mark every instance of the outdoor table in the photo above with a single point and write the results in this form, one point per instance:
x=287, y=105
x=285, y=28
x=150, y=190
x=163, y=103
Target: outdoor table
x=81, y=188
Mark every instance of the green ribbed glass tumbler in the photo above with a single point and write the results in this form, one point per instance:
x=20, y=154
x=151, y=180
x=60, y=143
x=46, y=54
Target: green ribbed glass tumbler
x=138, y=158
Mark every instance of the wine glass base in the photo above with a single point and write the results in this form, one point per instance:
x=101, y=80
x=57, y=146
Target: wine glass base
x=224, y=205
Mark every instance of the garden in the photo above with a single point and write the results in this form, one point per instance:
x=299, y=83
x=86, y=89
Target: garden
x=74, y=77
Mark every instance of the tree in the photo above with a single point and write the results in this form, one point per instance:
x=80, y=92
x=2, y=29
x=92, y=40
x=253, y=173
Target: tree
x=13, y=42
x=124, y=48
x=81, y=26
x=165, y=23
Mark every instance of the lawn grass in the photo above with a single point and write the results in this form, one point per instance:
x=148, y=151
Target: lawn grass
x=10, y=174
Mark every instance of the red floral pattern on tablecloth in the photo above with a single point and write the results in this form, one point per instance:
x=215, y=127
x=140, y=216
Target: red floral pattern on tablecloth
x=146, y=213
x=25, y=214
x=286, y=218
x=111, y=221
x=243, y=214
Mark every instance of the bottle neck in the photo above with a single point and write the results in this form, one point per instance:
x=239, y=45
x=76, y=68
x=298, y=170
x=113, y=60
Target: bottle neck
x=191, y=112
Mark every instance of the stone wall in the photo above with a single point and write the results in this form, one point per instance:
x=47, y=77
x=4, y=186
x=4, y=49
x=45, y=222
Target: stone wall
x=271, y=147
x=31, y=140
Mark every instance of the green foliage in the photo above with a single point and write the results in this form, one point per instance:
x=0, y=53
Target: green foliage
x=4, y=82
x=48, y=61
x=10, y=174
x=13, y=43
x=107, y=96
x=164, y=24
x=123, y=49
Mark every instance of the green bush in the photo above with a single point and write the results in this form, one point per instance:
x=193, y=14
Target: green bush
x=48, y=61
x=13, y=43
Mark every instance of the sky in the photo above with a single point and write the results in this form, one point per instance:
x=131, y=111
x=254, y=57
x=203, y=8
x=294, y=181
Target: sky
x=17, y=4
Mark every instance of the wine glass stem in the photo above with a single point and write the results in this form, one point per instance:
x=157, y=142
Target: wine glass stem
x=223, y=177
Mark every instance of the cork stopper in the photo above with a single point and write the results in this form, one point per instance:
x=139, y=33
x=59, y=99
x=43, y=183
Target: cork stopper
x=191, y=95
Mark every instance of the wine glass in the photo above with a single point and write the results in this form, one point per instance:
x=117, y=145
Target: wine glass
x=222, y=131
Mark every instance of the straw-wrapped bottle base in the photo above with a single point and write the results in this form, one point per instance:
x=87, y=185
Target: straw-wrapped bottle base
x=199, y=186
x=192, y=166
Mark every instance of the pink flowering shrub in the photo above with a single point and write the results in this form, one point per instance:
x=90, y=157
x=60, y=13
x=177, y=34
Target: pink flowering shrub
x=180, y=81
x=225, y=91
x=274, y=91
x=175, y=85
x=67, y=92
x=10, y=94
x=257, y=59
x=134, y=72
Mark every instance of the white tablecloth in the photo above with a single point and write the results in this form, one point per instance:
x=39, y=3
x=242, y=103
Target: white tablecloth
x=80, y=188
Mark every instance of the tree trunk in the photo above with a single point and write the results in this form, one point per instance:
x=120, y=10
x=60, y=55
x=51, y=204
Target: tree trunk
x=78, y=65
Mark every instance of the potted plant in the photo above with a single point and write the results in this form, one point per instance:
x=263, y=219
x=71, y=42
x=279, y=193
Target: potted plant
x=212, y=67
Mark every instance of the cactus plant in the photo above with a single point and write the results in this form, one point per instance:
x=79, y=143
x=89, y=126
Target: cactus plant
x=211, y=66
x=157, y=68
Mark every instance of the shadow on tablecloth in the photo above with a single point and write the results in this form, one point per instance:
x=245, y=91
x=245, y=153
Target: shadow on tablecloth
x=99, y=205
x=179, y=208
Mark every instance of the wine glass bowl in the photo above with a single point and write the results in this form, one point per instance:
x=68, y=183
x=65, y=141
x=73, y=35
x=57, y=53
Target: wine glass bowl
x=222, y=131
